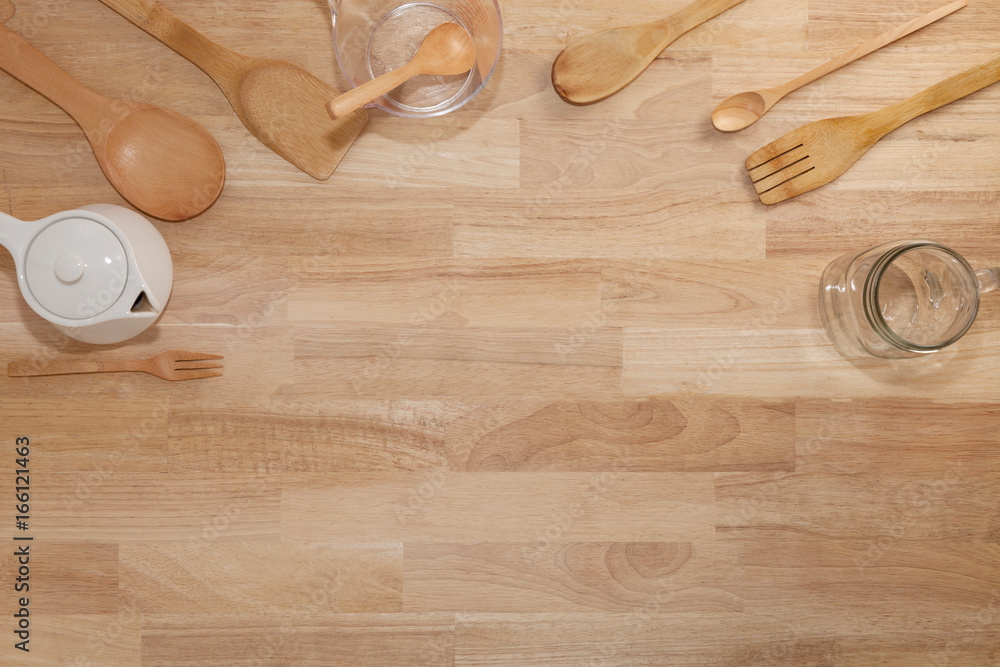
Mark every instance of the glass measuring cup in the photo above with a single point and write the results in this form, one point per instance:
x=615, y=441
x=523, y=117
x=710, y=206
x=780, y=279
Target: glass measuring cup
x=372, y=37
x=901, y=299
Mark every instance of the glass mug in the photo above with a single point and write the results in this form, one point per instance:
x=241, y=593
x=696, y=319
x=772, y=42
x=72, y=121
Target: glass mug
x=372, y=37
x=901, y=299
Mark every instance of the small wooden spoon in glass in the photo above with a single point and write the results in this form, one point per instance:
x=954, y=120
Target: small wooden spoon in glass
x=446, y=50
x=743, y=110
x=163, y=163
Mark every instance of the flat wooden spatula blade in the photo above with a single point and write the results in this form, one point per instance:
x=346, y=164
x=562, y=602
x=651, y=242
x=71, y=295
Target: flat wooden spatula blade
x=285, y=107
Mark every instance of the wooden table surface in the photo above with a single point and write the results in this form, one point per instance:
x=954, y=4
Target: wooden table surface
x=527, y=384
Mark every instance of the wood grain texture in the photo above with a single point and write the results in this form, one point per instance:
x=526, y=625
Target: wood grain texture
x=249, y=578
x=652, y=435
x=527, y=384
x=498, y=507
x=581, y=577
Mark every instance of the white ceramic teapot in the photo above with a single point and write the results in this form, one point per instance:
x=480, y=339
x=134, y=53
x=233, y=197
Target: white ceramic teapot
x=101, y=274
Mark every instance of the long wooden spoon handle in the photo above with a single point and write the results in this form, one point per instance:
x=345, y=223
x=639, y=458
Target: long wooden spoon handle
x=27, y=64
x=697, y=13
x=870, y=46
x=353, y=100
x=37, y=368
x=213, y=59
x=937, y=96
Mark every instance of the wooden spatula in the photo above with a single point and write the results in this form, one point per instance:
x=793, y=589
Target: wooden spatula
x=598, y=66
x=281, y=104
x=817, y=153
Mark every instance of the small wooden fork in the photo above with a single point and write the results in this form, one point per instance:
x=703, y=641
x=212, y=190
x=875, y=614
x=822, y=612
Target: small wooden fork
x=815, y=154
x=170, y=365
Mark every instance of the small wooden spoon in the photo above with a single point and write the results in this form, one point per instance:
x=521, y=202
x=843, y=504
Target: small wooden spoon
x=598, y=66
x=743, y=110
x=447, y=50
x=163, y=163
x=279, y=103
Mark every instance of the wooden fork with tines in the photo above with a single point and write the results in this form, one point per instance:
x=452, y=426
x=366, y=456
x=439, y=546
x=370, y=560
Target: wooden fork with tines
x=818, y=153
x=170, y=365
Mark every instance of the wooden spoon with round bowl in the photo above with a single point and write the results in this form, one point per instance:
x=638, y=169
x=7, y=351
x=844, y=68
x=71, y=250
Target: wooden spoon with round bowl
x=163, y=163
x=446, y=50
x=599, y=65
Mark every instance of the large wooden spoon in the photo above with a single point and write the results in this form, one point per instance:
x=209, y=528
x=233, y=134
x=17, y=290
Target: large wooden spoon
x=163, y=163
x=745, y=109
x=446, y=50
x=598, y=66
x=281, y=104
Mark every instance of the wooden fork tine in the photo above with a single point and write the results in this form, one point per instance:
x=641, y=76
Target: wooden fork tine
x=784, y=192
x=193, y=375
x=194, y=365
x=788, y=175
x=180, y=355
x=778, y=163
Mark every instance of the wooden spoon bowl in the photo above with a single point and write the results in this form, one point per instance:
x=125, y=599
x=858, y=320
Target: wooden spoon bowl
x=740, y=111
x=163, y=163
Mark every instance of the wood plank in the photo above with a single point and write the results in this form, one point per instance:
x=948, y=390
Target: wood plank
x=473, y=150
x=62, y=579
x=975, y=650
x=467, y=293
x=319, y=220
x=896, y=436
x=952, y=502
x=769, y=294
x=410, y=362
x=137, y=507
x=100, y=437
x=748, y=360
x=830, y=224
x=560, y=221
x=641, y=637
x=295, y=436
x=112, y=639
x=569, y=578
x=809, y=574
x=259, y=578
x=647, y=435
x=271, y=640
x=498, y=507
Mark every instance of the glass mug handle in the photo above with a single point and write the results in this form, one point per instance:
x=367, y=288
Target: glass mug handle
x=989, y=279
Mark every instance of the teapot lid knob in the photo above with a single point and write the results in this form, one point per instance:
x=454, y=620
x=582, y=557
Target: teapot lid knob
x=69, y=268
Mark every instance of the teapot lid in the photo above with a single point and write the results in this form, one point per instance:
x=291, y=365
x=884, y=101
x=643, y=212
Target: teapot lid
x=76, y=268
